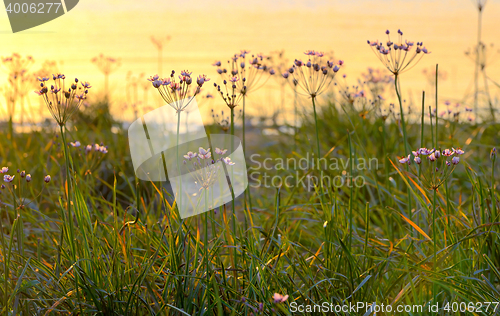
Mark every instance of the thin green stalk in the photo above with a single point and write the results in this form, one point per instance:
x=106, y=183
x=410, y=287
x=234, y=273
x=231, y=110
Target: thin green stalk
x=351, y=197
x=69, y=184
x=403, y=123
x=403, y=126
x=437, y=112
x=434, y=241
x=318, y=149
x=233, y=220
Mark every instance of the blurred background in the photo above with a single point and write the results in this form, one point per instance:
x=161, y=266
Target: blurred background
x=194, y=34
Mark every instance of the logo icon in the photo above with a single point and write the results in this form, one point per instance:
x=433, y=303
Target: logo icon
x=205, y=171
x=30, y=13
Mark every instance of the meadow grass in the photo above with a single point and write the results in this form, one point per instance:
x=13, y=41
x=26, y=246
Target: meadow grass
x=131, y=254
x=94, y=239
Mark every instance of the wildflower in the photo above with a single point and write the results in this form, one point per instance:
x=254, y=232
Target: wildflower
x=47, y=178
x=62, y=105
x=249, y=78
x=28, y=177
x=22, y=174
x=2, y=187
x=458, y=151
x=204, y=153
x=88, y=149
x=404, y=160
x=205, y=170
x=448, y=152
x=4, y=170
x=228, y=161
x=398, y=57
x=190, y=155
x=455, y=160
x=222, y=121
x=417, y=160
x=75, y=144
x=178, y=94
x=493, y=153
x=317, y=74
x=278, y=298
x=7, y=178
x=432, y=157
x=219, y=151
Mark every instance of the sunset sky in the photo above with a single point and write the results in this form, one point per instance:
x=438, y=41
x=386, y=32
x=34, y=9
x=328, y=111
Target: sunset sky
x=205, y=31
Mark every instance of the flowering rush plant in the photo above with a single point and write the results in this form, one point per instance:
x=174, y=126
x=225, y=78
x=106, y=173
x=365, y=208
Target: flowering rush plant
x=62, y=99
x=398, y=56
x=314, y=75
x=204, y=168
x=178, y=93
x=433, y=167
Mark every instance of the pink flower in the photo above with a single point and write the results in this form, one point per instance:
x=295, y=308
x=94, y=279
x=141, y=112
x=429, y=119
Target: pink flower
x=278, y=298
x=219, y=151
x=4, y=170
x=404, y=160
x=459, y=151
x=455, y=160
x=228, y=161
x=190, y=155
x=204, y=154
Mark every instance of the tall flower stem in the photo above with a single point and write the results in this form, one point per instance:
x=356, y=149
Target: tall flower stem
x=434, y=241
x=247, y=195
x=317, y=146
x=437, y=145
x=476, y=69
x=403, y=126
x=232, y=204
x=69, y=185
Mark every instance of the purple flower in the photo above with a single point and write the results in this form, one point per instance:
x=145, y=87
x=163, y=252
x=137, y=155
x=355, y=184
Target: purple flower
x=204, y=154
x=455, y=160
x=47, y=178
x=432, y=157
x=28, y=177
x=417, y=160
x=459, y=151
x=190, y=155
x=8, y=178
x=4, y=170
x=285, y=75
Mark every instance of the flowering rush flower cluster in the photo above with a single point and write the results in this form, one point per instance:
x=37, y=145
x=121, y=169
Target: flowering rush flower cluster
x=246, y=71
x=435, y=165
x=62, y=101
x=204, y=168
x=178, y=93
x=398, y=57
x=89, y=148
x=314, y=75
x=453, y=112
x=26, y=176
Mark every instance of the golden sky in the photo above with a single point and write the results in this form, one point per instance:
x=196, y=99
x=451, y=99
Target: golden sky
x=205, y=31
